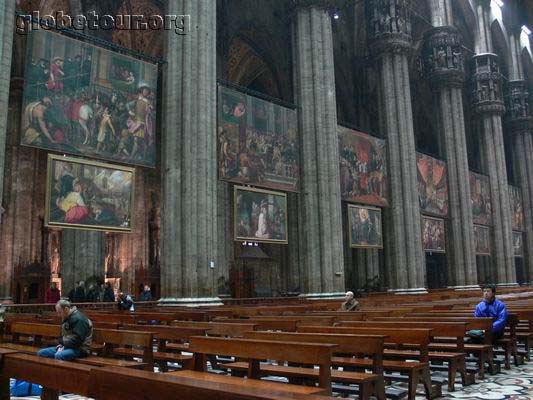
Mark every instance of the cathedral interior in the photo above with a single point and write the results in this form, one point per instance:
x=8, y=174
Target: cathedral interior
x=407, y=137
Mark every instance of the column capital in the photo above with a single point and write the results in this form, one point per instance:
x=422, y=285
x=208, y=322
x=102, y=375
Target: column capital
x=442, y=56
x=389, y=26
x=320, y=4
x=486, y=84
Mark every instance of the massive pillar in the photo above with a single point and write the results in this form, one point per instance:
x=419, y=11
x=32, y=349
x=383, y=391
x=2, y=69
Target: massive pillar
x=189, y=181
x=443, y=64
x=389, y=35
x=7, y=18
x=320, y=224
x=522, y=131
x=82, y=258
x=488, y=104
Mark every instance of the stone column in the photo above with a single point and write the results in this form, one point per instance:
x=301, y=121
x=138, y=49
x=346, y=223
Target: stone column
x=522, y=130
x=389, y=35
x=488, y=104
x=189, y=176
x=443, y=65
x=7, y=18
x=320, y=223
x=82, y=258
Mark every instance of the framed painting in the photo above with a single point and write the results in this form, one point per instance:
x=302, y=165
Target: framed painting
x=258, y=141
x=85, y=194
x=432, y=185
x=482, y=239
x=517, y=208
x=365, y=225
x=85, y=100
x=433, y=235
x=363, y=167
x=259, y=215
x=518, y=244
x=480, y=196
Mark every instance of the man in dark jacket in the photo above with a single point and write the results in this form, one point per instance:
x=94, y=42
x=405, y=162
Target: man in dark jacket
x=76, y=334
x=350, y=304
x=125, y=302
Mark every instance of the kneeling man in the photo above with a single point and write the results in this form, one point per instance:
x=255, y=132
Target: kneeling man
x=76, y=334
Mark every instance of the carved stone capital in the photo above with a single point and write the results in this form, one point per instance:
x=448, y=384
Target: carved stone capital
x=517, y=99
x=486, y=84
x=303, y=4
x=388, y=25
x=442, y=56
x=522, y=125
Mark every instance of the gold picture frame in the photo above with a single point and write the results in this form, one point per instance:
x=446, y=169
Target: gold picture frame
x=365, y=226
x=259, y=215
x=91, y=195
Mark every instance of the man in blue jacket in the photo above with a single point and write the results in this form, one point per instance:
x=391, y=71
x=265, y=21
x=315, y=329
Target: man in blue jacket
x=493, y=308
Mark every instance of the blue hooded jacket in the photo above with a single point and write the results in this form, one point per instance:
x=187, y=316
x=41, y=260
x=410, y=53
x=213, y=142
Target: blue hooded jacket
x=495, y=310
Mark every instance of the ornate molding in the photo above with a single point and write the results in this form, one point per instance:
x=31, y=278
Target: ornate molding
x=389, y=26
x=486, y=84
x=442, y=56
x=517, y=99
x=522, y=125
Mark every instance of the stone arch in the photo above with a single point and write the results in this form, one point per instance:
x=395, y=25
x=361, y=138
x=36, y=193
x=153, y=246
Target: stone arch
x=500, y=42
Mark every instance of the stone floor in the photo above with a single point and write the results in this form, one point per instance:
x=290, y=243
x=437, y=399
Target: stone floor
x=515, y=384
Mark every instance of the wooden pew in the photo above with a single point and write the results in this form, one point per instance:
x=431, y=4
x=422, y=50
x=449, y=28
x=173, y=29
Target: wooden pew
x=256, y=350
x=369, y=345
x=120, y=384
x=417, y=372
x=53, y=375
x=455, y=360
x=265, y=324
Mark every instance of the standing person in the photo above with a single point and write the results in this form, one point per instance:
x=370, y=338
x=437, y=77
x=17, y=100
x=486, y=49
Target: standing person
x=350, y=304
x=146, y=294
x=109, y=294
x=490, y=307
x=53, y=294
x=92, y=294
x=79, y=293
x=76, y=334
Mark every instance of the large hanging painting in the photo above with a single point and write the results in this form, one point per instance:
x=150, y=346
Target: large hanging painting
x=365, y=226
x=481, y=203
x=433, y=235
x=82, y=99
x=89, y=195
x=363, y=169
x=258, y=141
x=518, y=244
x=260, y=215
x=482, y=239
x=517, y=208
x=432, y=185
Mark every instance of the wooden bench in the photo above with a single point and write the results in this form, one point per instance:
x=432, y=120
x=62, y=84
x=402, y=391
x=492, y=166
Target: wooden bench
x=256, y=350
x=120, y=384
x=417, y=372
x=455, y=360
x=162, y=334
x=264, y=324
x=348, y=345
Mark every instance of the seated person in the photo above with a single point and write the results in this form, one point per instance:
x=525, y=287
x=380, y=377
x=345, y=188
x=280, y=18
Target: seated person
x=76, y=334
x=350, y=304
x=125, y=302
x=493, y=308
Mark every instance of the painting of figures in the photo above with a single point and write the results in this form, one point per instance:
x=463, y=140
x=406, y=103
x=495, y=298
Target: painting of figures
x=258, y=141
x=89, y=195
x=432, y=185
x=481, y=203
x=482, y=239
x=433, y=235
x=82, y=99
x=260, y=215
x=365, y=226
x=363, y=169
x=517, y=208
x=518, y=244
